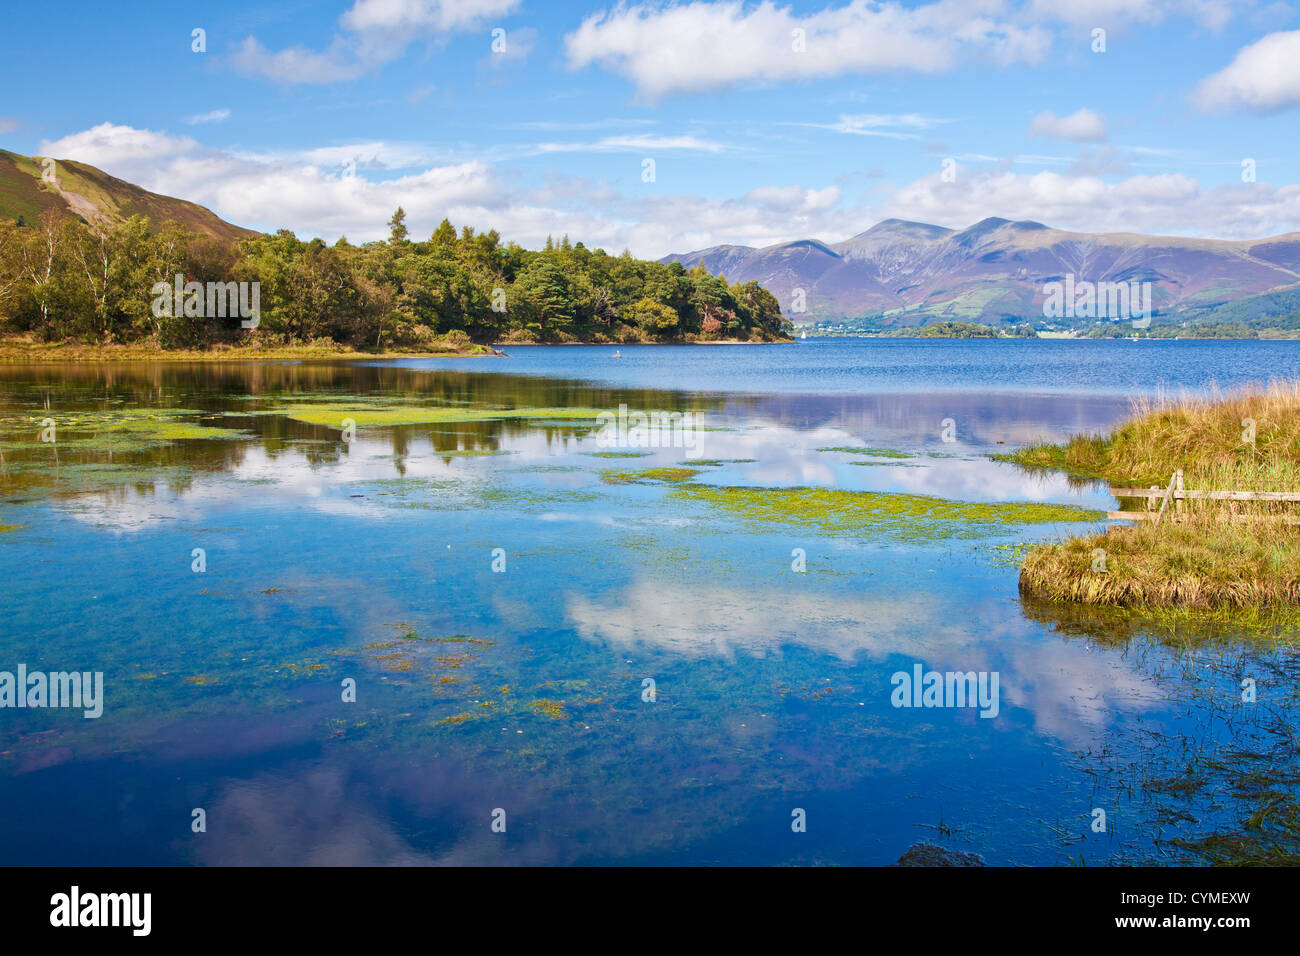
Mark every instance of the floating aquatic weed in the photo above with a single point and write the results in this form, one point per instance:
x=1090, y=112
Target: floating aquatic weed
x=118, y=429
x=614, y=477
x=873, y=452
x=867, y=513
x=550, y=708
x=454, y=720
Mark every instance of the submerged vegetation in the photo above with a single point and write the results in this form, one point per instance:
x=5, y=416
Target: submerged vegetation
x=1209, y=555
x=63, y=281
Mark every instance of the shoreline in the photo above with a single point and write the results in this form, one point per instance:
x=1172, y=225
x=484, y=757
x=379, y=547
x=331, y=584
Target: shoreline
x=32, y=353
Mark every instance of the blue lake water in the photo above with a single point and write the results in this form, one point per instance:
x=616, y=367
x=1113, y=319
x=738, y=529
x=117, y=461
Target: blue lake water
x=499, y=588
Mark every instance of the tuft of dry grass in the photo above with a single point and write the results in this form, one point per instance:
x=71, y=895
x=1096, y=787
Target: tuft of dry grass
x=1200, y=563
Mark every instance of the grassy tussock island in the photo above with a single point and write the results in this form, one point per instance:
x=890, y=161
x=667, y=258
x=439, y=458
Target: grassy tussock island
x=1208, y=555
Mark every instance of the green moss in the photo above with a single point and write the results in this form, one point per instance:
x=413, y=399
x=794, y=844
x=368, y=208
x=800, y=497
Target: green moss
x=871, y=513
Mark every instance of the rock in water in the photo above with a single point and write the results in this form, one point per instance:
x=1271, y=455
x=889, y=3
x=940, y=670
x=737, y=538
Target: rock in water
x=927, y=854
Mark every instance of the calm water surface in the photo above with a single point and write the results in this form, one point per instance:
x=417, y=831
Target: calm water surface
x=521, y=689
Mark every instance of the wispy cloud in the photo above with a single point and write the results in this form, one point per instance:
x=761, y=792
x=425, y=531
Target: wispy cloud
x=1081, y=126
x=212, y=116
x=887, y=125
x=643, y=142
x=372, y=33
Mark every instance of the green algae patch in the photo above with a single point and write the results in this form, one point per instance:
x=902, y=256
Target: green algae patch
x=112, y=429
x=620, y=454
x=717, y=462
x=614, y=477
x=6, y=528
x=871, y=452
x=869, y=513
x=376, y=416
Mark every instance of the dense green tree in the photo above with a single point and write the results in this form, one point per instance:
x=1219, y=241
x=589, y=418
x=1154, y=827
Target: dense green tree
x=63, y=279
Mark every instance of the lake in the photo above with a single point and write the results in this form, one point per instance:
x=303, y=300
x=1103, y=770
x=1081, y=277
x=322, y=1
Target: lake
x=441, y=611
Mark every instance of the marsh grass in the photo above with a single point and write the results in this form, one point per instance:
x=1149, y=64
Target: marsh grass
x=1206, y=555
x=1205, y=436
x=1201, y=563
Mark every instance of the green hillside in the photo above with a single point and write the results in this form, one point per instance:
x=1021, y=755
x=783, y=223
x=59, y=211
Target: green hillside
x=93, y=196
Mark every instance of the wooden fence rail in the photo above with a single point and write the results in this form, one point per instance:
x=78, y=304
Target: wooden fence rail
x=1178, y=494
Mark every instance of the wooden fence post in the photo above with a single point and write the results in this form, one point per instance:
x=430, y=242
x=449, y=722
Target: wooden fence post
x=1169, y=493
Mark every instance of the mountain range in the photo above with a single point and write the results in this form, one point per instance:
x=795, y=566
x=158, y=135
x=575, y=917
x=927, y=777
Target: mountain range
x=900, y=273
x=29, y=186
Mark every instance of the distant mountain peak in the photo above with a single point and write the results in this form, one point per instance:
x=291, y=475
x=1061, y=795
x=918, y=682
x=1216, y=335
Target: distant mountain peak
x=907, y=227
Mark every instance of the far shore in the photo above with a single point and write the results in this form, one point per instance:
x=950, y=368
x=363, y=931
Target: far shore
x=20, y=352
x=12, y=353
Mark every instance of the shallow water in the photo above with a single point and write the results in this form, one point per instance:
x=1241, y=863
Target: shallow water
x=521, y=689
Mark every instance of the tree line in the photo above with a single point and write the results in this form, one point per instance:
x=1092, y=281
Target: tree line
x=63, y=279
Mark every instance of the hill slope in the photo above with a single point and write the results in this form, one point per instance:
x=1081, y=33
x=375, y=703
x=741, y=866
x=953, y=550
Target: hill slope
x=908, y=273
x=93, y=195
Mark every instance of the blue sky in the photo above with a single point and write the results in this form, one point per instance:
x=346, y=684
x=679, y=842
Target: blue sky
x=322, y=117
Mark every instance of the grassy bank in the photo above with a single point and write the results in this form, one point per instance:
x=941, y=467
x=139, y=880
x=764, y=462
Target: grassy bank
x=21, y=351
x=1208, y=556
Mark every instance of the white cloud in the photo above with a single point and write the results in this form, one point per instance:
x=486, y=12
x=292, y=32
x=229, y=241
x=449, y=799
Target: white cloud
x=1213, y=14
x=212, y=116
x=795, y=198
x=881, y=124
x=310, y=193
x=518, y=44
x=375, y=32
x=8, y=124
x=642, y=142
x=297, y=64
x=703, y=46
x=1263, y=77
x=437, y=16
x=1081, y=126
x=1168, y=204
x=112, y=147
